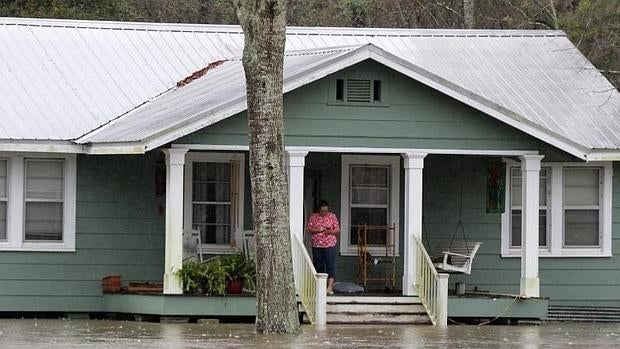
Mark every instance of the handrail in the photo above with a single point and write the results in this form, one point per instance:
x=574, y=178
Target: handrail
x=310, y=285
x=432, y=286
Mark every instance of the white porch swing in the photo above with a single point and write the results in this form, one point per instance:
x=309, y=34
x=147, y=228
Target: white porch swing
x=454, y=256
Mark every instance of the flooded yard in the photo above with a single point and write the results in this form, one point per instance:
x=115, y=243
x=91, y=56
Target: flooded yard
x=37, y=333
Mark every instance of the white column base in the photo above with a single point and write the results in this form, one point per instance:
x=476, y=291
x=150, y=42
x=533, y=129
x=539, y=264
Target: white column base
x=530, y=287
x=172, y=284
x=409, y=285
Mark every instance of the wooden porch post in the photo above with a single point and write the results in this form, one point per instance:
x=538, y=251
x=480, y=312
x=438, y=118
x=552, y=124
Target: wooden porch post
x=296, y=163
x=175, y=162
x=414, y=164
x=530, y=172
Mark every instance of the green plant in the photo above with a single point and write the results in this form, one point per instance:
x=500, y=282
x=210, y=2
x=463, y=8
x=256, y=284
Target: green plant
x=203, y=277
x=210, y=277
x=241, y=266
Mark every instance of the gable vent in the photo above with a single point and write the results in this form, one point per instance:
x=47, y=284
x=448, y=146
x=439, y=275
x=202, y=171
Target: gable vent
x=359, y=91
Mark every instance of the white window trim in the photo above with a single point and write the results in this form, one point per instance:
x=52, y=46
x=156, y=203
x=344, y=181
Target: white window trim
x=346, y=249
x=16, y=203
x=555, y=213
x=6, y=198
x=508, y=208
x=237, y=232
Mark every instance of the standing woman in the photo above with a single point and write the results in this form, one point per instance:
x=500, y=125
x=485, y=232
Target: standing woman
x=325, y=229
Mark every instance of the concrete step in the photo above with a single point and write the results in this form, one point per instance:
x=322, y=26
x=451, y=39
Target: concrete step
x=348, y=318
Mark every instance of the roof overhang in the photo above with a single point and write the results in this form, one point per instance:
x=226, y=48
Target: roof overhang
x=64, y=147
x=312, y=73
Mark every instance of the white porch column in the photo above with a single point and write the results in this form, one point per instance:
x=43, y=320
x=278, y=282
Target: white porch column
x=296, y=163
x=175, y=162
x=414, y=164
x=530, y=172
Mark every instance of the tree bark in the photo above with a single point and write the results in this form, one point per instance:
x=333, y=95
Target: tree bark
x=469, y=14
x=264, y=25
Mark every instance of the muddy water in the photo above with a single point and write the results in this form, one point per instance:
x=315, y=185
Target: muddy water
x=34, y=334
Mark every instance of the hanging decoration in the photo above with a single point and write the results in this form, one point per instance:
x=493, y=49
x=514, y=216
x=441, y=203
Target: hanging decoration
x=496, y=186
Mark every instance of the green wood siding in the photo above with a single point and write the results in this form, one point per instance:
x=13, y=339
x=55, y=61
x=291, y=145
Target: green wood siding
x=415, y=116
x=118, y=231
x=566, y=281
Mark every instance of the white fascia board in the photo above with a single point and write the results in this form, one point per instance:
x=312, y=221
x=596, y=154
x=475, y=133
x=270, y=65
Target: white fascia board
x=34, y=146
x=353, y=150
x=603, y=156
x=417, y=73
x=115, y=148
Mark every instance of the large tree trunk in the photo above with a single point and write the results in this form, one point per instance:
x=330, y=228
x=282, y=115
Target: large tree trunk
x=469, y=13
x=263, y=23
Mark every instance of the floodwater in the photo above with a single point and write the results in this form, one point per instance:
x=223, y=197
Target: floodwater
x=37, y=333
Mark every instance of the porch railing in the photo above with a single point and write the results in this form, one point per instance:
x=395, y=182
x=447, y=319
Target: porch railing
x=311, y=286
x=432, y=286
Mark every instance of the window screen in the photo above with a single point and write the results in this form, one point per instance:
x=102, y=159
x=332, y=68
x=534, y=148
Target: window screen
x=44, y=195
x=581, y=206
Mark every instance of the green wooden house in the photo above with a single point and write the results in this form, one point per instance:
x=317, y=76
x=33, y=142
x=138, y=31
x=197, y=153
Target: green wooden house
x=115, y=138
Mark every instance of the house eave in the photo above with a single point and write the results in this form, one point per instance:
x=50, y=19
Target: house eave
x=68, y=147
x=40, y=146
x=603, y=155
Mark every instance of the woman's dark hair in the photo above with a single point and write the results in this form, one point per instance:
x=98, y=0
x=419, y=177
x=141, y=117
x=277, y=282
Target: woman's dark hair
x=323, y=203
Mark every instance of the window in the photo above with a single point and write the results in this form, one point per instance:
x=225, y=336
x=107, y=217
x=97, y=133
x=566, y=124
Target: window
x=370, y=195
x=44, y=195
x=369, y=201
x=581, y=207
x=37, y=202
x=4, y=198
x=515, y=207
x=211, y=201
x=575, y=210
x=214, y=196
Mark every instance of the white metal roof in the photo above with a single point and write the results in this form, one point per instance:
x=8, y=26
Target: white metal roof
x=218, y=94
x=62, y=79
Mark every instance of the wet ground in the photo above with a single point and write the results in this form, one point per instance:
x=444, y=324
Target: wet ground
x=34, y=334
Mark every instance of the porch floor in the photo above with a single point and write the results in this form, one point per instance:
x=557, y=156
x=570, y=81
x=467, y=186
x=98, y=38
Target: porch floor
x=485, y=305
x=180, y=305
x=482, y=306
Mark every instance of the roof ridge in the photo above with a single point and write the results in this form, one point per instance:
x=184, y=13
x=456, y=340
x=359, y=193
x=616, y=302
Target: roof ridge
x=291, y=30
x=323, y=50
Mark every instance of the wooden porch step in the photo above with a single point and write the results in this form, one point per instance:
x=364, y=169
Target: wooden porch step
x=375, y=310
x=404, y=319
x=372, y=300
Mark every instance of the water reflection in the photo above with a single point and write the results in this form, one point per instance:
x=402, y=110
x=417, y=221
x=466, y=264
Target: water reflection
x=35, y=334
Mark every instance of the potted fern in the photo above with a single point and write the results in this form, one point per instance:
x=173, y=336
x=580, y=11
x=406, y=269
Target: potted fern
x=218, y=276
x=241, y=273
